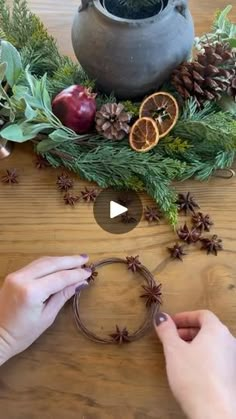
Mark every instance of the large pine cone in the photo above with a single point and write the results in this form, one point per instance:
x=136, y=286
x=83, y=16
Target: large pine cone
x=209, y=76
x=112, y=121
x=232, y=89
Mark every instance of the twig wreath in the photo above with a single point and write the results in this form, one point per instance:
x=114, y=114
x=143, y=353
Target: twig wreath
x=152, y=294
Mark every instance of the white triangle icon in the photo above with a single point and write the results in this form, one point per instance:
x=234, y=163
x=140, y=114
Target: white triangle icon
x=116, y=209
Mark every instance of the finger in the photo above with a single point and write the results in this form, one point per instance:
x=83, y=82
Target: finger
x=167, y=332
x=194, y=319
x=52, y=284
x=188, y=334
x=48, y=265
x=57, y=301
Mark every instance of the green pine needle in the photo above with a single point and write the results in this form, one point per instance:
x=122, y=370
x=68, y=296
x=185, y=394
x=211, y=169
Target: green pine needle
x=138, y=4
x=202, y=141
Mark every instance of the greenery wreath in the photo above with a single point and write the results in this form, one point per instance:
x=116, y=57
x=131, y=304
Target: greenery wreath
x=201, y=141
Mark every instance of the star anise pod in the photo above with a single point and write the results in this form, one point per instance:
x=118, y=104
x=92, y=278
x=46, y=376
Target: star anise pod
x=64, y=182
x=94, y=273
x=133, y=263
x=187, y=235
x=70, y=199
x=127, y=218
x=124, y=200
x=152, y=214
x=212, y=244
x=152, y=294
x=177, y=251
x=41, y=162
x=187, y=203
x=89, y=195
x=202, y=222
x=11, y=177
x=120, y=336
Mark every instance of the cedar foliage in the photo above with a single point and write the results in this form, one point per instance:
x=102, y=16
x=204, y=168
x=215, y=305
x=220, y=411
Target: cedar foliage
x=203, y=140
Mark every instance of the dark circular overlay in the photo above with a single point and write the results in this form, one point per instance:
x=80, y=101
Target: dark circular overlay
x=121, y=224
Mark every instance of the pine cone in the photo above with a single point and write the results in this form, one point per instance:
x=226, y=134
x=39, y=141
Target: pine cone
x=112, y=121
x=232, y=89
x=209, y=76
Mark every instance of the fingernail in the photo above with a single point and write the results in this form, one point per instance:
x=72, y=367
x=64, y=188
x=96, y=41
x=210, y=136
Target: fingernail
x=160, y=318
x=81, y=287
x=88, y=270
x=84, y=256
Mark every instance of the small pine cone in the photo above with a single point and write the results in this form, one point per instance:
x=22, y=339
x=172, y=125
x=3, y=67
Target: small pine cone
x=112, y=121
x=209, y=76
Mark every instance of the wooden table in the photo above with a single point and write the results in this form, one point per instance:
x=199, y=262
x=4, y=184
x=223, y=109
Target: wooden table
x=63, y=375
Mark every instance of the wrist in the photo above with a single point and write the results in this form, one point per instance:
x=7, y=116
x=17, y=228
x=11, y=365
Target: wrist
x=4, y=347
x=220, y=406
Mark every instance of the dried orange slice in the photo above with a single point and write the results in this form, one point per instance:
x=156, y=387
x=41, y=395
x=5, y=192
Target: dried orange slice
x=163, y=108
x=144, y=135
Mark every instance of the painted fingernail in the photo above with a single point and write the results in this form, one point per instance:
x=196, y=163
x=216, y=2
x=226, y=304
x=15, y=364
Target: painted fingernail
x=160, y=318
x=81, y=287
x=84, y=256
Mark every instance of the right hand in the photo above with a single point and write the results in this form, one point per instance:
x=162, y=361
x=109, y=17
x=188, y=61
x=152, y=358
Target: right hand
x=200, y=355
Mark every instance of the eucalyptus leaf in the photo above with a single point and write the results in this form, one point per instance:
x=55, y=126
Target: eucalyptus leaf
x=11, y=56
x=44, y=94
x=223, y=16
x=23, y=93
x=35, y=128
x=31, y=80
x=24, y=131
x=12, y=116
x=30, y=113
x=45, y=146
x=15, y=133
x=59, y=136
x=3, y=69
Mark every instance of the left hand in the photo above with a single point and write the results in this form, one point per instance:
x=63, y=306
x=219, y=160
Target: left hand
x=31, y=298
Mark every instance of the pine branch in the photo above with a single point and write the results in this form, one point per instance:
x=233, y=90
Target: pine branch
x=116, y=165
x=2, y=34
x=138, y=4
x=5, y=18
x=214, y=132
x=191, y=111
x=27, y=33
x=68, y=74
x=38, y=49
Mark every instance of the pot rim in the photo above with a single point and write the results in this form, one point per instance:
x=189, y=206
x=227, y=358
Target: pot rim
x=97, y=4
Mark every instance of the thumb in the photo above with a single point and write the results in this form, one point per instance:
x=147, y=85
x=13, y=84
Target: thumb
x=166, y=331
x=57, y=301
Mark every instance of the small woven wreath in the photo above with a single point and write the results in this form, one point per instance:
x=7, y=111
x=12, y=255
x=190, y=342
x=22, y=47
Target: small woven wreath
x=152, y=294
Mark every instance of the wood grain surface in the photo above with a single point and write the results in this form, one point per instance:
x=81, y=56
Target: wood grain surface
x=63, y=375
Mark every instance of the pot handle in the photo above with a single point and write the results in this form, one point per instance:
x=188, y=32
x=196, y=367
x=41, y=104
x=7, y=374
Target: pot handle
x=84, y=5
x=181, y=7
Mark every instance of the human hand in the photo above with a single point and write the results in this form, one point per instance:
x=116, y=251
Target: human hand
x=200, y=355
x=31, y=298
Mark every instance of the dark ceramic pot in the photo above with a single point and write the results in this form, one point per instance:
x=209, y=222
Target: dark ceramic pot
x=132, y=57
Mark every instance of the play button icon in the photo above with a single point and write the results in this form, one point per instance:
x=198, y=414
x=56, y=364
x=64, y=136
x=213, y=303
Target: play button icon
x=118, y=212
x=117, y=209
